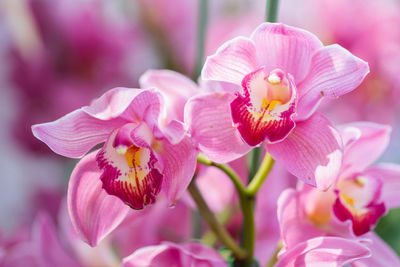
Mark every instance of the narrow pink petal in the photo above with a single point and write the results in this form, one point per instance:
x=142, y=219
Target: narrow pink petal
x=170, y=254
x=176, y=88
x=94, y=213
x=232, y=61
x=359, y=139
x=178, y=166
x=209, y=120
x=49, y=247
x=126, y=103
x=382, y=254
x=287, y=48
x=77, y=132
x=390, y=175
x=324, y=251
x=312, y=152
x=334, y=72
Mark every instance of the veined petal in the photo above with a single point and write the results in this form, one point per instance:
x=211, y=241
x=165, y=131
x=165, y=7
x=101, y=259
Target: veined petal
x=324, y=251
x=93, y=212
x=129, y=166
x=283, y=47
x=334, y=72
x=266, y=109
x=77, y=132
x=133, y=105
x=170, y=254
x=178, y=163
x=359, y=139
x=382, y=254
x=175, y=87
x=232, y=61
x=209, y=121
x=312, y=152
x=390, y=175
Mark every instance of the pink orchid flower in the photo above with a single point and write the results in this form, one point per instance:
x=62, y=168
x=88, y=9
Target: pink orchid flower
x=361, y=195
x=140, y=157
x=170, y=254
x=271, y=86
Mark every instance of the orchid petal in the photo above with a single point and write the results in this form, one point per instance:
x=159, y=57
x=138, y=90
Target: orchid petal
x=232, y=61
x=390, y=175
x=324, y=251
x=295, y=228
x=312, y=152
x=284, y=47
x=170, y=254
x=176, y=88
x=77, y=132
x=94, y=213
x=179, y=163
x=382, y=254
x=364, y=143
x=334, y=72
x=209, y=120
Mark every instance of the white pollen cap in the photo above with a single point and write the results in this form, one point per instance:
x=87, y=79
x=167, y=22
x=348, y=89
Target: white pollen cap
x=274, y=79
x=121, y=150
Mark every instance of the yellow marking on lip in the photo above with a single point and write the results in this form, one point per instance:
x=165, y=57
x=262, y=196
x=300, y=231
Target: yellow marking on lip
x=349, y=200
x=132, y=156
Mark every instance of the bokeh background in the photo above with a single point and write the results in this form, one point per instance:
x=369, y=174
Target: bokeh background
x=58, y=55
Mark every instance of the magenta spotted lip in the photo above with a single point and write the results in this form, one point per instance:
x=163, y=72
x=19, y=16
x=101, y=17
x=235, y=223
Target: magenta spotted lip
x=267, y=107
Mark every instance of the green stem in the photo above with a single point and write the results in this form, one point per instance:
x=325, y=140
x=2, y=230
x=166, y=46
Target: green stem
x=247, y=204
x=261, y=175
x=212, y=221
x=272, y=11
x=274, y=257
x=254, y=162
x=201, y=32
x=227, y=170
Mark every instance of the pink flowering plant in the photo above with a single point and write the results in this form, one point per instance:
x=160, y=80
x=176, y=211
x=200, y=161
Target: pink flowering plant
x=150, y=156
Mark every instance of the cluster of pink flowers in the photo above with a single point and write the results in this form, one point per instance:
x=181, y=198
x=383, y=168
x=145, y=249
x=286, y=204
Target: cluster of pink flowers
x=257, y=91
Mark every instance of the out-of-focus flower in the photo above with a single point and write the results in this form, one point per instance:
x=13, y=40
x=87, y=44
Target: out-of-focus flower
x=80, y=50
x=271, y=85
x=350, y=209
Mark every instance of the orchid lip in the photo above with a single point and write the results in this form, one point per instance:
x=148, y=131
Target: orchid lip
x=267, y=108
x=129, y=171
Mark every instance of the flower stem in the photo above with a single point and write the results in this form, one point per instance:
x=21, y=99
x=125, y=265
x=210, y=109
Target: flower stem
x=254, y=162
x=227, y=170
x=261, y=175
x=212, y=221
x=201, y=32
x=271, y=14
x=274, y=257
x=247, y=204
